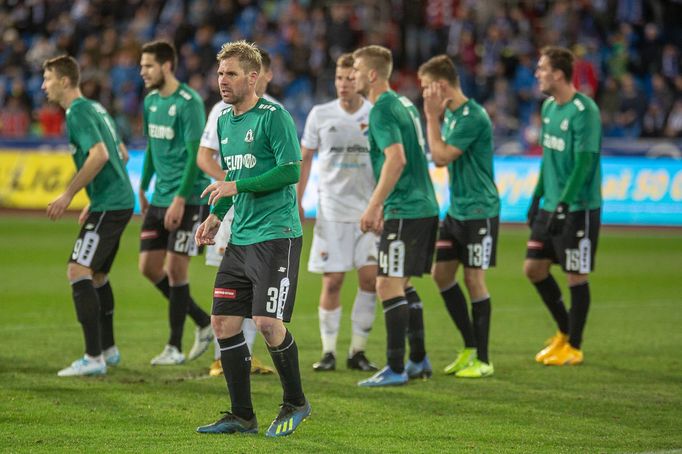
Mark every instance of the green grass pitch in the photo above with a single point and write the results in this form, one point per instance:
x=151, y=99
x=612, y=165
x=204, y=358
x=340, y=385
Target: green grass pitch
x=627, y=397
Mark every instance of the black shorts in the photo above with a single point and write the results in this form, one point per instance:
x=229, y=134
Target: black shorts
x=575, y=248
x=154, y=235
x=258, y=279
x=406, y=246
x=98, y=239
x=473, y=243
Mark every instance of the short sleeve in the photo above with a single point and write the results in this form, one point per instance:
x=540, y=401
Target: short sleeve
x=464, y=133
x=283, y=137
x=587, y=131
x=311, y=136
x=384, y=127
x=193, y=117
x=84, y=121
x=209, y=137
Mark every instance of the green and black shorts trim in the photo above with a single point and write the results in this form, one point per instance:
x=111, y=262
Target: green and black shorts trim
x=98, y=240
x=258, y=279
x=575, y=248
x=472, y=242
x=154, y=235
x=406, y=246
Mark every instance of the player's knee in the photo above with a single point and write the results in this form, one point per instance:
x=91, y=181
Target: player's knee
x=99, y=279
x=75, y=272
x=388, y=288
x=332, y=286
x=440, y=277
x=367, y=284
x=534, y=271
x=474, y=282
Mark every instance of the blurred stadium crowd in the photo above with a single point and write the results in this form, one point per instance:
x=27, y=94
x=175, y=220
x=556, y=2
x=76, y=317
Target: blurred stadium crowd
x=629, y=53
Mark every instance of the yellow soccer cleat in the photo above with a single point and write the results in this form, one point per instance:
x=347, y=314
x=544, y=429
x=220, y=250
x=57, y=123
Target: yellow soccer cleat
x=566, y=356
x=554, y=343
x=258, y=368
x=216, y=369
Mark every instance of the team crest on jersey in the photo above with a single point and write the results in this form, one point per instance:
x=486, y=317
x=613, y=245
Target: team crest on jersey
x=249, y=136
x=152, y=109
x=224, y=141
x=545, y=120
x=72, y=148
x=564, y=125
x=172, y=110
x=364, y=127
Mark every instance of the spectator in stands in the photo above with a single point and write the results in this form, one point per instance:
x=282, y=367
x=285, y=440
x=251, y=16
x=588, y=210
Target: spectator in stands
x=631, y=108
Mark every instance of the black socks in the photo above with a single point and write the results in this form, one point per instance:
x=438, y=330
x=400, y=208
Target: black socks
x=285, y=358
x=88, y=312
x=396, y=317
x=236, y=361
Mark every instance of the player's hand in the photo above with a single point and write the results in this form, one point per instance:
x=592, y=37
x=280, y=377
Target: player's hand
x=174, y=213
x=372, y=219
x=218, y=190
x=557, y=220
x=85, y=212
x=144, y=203
x=533, y=211
x=207, y=231
x=56, y=208
x=434, y=100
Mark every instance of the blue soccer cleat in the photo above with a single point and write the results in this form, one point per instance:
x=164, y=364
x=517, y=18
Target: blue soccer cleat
x=385, y=377
x=289, y=418
x=421, y=369
x=230, y=424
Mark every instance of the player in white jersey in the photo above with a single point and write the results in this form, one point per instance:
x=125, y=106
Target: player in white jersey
x=338, y=130
x=208, y=161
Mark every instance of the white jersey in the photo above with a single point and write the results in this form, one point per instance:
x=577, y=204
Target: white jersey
x=209, y=138
x=346, y=178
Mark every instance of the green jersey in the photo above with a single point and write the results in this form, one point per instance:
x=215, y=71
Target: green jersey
x=251, y=144
x=172, y=123
x=473, y=194
x=88, y=124
x=569, y=129
x=394, y=119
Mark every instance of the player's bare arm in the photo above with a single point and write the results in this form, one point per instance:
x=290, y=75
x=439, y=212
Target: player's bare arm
x=208, y=164
x=306, y=164
x=97, y=158
x=207, y=230
x=435, y=103
x=372, y=218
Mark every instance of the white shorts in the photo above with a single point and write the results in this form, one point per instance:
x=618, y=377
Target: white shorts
x=215, y=252
x=341, y=246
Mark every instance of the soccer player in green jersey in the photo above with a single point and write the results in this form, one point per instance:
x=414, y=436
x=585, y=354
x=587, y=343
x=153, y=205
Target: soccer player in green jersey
x=173, y=122
x=468, y=235
x=258, y=274
x=403, y=209
x=565, y=229
x=100, y=158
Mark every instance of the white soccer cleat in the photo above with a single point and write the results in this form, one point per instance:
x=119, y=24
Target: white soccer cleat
x=202, y=340
x=112, y=356
x=170, y=356
x=84, y=367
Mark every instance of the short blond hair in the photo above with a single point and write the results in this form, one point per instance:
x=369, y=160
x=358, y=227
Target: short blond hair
x=247, y=53
x=345, y=61
x=377, y=58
